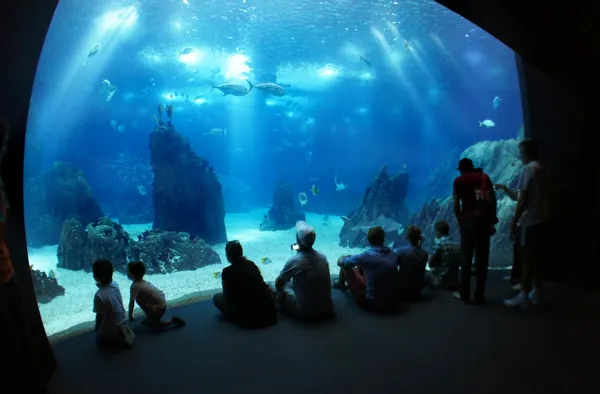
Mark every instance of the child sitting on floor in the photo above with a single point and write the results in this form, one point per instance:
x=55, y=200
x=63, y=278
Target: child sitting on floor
x=111, y=323
x=150, y=299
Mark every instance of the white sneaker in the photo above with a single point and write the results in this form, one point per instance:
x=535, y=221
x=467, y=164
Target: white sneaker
x=518, y=287
x=534, y=296
x=520, y=301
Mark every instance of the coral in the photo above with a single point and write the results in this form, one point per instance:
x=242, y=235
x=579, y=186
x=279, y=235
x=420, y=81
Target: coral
x=46, y=288
x=107, y=240
x=283, y=214
x=187, y=194
x=169, y=251
x=70, y=247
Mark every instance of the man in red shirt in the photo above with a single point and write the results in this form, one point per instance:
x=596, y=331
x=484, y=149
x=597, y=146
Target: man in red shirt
x=475, y=211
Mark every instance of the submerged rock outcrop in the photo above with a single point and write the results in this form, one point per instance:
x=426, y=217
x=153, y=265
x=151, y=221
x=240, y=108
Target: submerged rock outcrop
x=59, y=194
x=382, y=204
x=284, y=213
x=187, y=194
x=500, y=160
x=162, y=251
x=46, y=287
x=169, y=251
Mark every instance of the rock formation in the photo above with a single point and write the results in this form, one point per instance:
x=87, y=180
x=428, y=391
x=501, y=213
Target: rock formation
x=499, y=159
x=169, y=251
x=46, y=288
x=106, y=239
x=187, y=194
x=284, y=213
x=384, y=198
x=161, y=251
x=59, y=194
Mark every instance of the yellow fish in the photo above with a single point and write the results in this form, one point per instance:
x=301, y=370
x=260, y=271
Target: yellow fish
x=265, y=260
x=314, y=189
x=217, y=275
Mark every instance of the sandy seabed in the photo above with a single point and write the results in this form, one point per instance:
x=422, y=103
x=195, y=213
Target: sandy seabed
x=75, y=307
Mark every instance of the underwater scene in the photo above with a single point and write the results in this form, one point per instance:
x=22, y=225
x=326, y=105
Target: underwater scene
x=158, y=130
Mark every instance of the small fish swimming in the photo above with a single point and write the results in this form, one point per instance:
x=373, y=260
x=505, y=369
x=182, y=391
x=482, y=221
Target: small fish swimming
x=315, y=190
x=186, y=51
x=487, y=123
x=108, y=89
x=216, y=132
x=339, y=186
x=302, y=198
x=217, y=275
x=233, y=89
x=142, y=190
x=496, y=102
x=113, y=124
x=365, y=60
x=265, y=260
x=269, y=87
x=121, y=128
x=92, y=52
x=406, y=44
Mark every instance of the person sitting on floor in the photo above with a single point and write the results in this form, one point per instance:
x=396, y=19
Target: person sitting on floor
x=246, y=299
x=372, y=275
x=111, y=322
x=309, y=295
x=150, y=299
x=445, y=259
x=412, y=260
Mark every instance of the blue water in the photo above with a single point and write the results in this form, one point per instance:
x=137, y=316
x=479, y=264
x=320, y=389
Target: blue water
x=432, y=77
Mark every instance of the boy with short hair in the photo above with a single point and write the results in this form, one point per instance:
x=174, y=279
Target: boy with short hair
x=150, y=299
x=111, y=322
x=445, y=259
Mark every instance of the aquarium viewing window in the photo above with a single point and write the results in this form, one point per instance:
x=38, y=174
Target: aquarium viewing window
x=158, y=131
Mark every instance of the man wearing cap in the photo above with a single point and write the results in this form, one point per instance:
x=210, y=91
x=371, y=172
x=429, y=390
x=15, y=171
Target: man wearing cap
x=309, y=294
x=475, y=211
x=372, y=276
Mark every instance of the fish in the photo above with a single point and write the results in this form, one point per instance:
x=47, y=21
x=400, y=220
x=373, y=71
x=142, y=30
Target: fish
x=113, y=124
x=406, y=44
x=365, y=60
x=92, y=52
x=487, y=123
x=216, y=132
x=233, y=89
x=339, y=186
x=315, y=190
x=160, y=109
x=186, y=51
x=217, y=275
x=142, y=190
x=108, y=89
x=269, y=87
x=121, y=128
x=302, y=198
x=387, y=224
x=265, y=260
x=496, y=102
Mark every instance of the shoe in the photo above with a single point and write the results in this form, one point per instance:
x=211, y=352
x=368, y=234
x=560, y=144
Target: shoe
x=518, y=287
x=520, y=301
x=534, y=296
x=459, y=297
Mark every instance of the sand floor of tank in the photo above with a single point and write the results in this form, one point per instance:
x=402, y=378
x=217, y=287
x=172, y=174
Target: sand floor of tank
x=75, y=307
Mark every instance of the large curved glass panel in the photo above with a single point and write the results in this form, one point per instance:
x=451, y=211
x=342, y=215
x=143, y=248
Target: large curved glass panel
x=160, y=129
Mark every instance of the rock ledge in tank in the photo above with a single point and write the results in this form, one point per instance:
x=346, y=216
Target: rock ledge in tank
x=283, y=214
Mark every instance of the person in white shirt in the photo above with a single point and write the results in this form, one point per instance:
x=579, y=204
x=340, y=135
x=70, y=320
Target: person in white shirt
x=308, y=296
x=530, y=223
x=111, y=321
x=150, y=299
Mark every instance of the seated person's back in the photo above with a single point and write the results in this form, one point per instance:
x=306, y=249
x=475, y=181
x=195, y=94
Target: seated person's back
x=412, y=261
x=246, y=297
x=446, y=258
x=311, y=281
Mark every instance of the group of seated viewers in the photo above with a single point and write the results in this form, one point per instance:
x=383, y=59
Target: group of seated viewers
x=379, y=279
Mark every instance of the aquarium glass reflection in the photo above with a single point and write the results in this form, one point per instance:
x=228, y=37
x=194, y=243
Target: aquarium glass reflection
x=159, y=130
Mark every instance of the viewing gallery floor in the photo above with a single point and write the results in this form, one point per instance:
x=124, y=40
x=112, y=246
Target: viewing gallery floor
x=436, y=346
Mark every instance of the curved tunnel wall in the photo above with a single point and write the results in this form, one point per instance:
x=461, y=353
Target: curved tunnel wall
x=552, y=115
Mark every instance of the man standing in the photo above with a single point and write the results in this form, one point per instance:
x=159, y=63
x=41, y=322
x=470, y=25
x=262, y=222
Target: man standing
x=475, y=212
x=529, y=226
